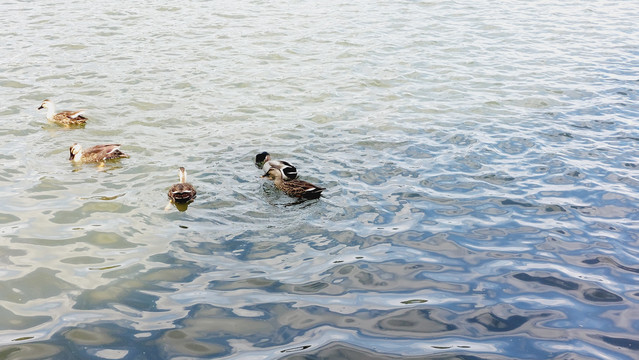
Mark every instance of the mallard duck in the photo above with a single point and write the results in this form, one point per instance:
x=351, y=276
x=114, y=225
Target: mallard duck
x=64, y=117
x=96, y=153
x=182, y=192
x=263, y=161
x=296, y=188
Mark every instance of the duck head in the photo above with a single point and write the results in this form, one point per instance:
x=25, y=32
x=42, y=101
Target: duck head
x=45, y=104
x=75, y=150
x=182, y=174
x=262, y=158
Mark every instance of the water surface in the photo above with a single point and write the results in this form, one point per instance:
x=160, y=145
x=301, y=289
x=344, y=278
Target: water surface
x=480, y=160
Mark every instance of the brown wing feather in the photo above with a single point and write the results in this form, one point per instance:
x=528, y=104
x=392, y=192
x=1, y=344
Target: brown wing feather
x=182, y=193
x=69, y=118
x=300, y=189
x=103, y=152
x=115, y=154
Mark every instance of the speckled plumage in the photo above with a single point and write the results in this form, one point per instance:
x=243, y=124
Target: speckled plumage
x=182, y=192
x=295, y=188
x=96, y=153
x=67, y=118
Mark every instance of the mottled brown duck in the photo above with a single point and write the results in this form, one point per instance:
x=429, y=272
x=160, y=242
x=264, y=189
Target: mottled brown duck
x=182, y=192
x=295, y=188
x=66, y=118
x=98, y=153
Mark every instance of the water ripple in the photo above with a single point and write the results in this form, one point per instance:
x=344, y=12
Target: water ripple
x=480, y=164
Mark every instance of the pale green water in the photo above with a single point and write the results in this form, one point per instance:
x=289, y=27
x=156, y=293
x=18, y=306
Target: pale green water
x=479, y=158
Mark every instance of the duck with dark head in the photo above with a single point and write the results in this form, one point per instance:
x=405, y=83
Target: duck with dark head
x=263, y=161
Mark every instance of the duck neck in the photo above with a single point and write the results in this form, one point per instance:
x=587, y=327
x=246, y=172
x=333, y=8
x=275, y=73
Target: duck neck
x=278, y=181
x=77, y=157
x=50, y=111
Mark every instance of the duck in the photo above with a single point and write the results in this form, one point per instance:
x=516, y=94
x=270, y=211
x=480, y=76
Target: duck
x=182, y=192
x=67, y=118
x=98, y=153
x=295, y=188
x=263, y=161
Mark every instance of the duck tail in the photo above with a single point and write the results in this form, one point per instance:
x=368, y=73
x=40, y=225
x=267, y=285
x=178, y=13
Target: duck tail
x=313, y=193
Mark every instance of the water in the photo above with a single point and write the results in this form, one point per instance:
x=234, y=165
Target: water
x=480, y=160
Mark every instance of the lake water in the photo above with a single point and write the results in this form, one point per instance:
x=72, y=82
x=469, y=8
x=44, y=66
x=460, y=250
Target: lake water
x=480, y=159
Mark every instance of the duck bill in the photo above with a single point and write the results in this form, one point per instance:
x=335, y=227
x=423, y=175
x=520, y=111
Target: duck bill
x=41, y=107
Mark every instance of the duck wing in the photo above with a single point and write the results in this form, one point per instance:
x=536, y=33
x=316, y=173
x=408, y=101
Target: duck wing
x=301, y=189
x=104, y=152
x=75, y=114
x=289, y=172
x=182, y=192
x=70, y=117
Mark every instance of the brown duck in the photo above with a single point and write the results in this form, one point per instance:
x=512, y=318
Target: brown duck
x=67, y=118
x=296, y=188
x=182, y=192
x=98, y=153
